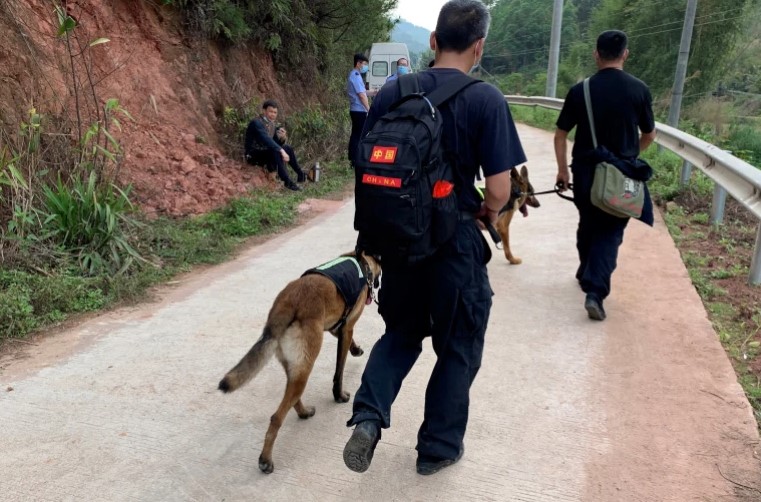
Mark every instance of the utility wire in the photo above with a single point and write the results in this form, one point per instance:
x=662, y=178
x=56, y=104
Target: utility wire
x=568, y=44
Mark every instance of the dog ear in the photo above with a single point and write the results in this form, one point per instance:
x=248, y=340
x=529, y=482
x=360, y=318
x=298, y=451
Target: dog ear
x=515, y=176
x=524, y=172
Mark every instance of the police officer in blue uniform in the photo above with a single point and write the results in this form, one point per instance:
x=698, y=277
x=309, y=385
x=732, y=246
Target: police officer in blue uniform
x=358, y=102
x=402, y=68
x=447, y=296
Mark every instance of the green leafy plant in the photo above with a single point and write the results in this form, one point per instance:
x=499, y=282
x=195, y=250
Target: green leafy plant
x=88, y=220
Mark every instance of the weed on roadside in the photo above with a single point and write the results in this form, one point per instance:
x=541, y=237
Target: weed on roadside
x=30, y=300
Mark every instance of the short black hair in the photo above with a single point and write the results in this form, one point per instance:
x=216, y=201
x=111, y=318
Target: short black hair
x=611, y=44
x=359, y=57
x=460, y=24
x=270, y=103
x=400, y=60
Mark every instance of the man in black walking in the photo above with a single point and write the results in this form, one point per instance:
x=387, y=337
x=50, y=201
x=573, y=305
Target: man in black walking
x=622, y=107
x=447, y=296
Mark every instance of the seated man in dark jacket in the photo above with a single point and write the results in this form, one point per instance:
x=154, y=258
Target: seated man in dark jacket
x=265, y=146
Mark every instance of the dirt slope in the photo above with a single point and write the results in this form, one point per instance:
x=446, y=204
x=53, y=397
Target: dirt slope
x=175, y=85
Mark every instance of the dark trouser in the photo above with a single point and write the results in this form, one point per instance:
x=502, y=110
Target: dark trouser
x=273, y=160
x=597, y=239
x=449, y=299
x=357, y=123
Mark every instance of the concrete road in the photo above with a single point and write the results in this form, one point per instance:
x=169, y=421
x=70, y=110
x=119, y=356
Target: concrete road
x=642, y=407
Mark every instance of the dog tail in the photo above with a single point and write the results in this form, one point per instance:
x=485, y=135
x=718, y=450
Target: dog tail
x=251, y=363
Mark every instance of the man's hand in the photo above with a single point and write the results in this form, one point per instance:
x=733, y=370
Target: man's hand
x=285, y=156
x=563, y=179
x=488, y=213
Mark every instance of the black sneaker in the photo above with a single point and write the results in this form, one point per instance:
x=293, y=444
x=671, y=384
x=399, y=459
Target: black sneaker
x=594, y=308
x=292, y=186
x=428, y=465
x=358, y=452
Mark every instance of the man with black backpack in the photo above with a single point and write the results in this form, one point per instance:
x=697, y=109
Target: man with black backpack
x=417, y=207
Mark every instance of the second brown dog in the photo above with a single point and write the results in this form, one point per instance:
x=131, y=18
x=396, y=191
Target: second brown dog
x=521, y=196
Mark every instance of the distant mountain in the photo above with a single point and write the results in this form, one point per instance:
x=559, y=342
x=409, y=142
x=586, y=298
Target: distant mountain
x=414, y=36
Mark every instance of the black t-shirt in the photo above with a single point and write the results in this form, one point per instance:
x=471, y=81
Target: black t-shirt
x=478, y=130
x=622, y=107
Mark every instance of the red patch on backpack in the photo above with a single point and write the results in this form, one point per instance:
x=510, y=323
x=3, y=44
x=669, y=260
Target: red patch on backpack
x=383, y=181
x=383, y=154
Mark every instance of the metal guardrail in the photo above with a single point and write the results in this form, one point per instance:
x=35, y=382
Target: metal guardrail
x=731, y=175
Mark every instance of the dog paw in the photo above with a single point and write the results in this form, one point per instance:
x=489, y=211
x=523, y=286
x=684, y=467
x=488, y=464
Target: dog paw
x=307, y=412
x=356, y=351
x=342, y=396
x=266, y=466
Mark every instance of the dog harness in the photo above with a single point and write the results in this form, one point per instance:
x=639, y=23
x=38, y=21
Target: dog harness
x=349, y=278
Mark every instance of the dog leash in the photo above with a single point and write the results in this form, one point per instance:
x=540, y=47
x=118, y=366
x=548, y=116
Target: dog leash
x=495, y=237
x=556, y=190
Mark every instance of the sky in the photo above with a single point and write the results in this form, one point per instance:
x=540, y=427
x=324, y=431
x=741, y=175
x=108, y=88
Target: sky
x=420, y=12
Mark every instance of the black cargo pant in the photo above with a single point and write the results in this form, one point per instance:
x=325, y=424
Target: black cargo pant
x=272, y=160
x=598, y=236
x=357, y=124
x=448, y=299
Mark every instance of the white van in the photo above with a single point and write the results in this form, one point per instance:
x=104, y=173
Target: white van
x=383, y=58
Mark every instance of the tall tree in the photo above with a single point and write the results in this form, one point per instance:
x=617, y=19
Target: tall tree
x=519, y=38
x=654, y=31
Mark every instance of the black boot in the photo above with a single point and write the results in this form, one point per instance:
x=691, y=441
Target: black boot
x=594, y=307
x=428, y=465
x=358, y=452
x=290, y=185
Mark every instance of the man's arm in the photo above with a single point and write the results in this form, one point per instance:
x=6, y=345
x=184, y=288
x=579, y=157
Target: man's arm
x=646, y=139
x=363, y=99
x=496, y=196
x=248, y=144
x=263, y=137
x=563, y=178
x=646, y=123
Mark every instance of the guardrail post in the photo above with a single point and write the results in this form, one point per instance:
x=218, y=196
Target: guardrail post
x=755, y=265
x=717, y=207
x=684, y=179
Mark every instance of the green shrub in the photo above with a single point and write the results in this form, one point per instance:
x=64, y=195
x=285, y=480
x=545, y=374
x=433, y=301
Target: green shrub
x=745, y=142
x=88, y=220
x=16, y=312
x=229, y=21
x=319, y=131
x=28, y=301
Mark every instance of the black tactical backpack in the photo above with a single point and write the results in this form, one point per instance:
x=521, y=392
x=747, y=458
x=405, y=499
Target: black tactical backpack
x=406, y=205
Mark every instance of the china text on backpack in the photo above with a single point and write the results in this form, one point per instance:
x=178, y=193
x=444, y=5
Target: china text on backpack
x=406, y=206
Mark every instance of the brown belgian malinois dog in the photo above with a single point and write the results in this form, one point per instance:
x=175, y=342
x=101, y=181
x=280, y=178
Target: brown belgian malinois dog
x=521, y=196
x=300, y=314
